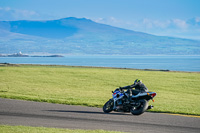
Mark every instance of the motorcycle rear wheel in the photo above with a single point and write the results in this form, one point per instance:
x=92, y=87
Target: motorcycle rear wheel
x=141, y=109
x=108, y=106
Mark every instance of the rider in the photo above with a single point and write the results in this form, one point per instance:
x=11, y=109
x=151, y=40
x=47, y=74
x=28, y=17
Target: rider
x=139, y=88
x=138, y=85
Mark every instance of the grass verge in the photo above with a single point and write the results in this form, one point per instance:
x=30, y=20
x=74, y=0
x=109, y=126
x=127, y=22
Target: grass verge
x=28, y=129
x=177, y=92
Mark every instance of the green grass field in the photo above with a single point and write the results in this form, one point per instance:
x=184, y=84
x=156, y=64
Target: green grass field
x=177, y=92
x=27, y=129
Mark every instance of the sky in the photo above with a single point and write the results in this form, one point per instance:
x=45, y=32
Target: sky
x=175, y=18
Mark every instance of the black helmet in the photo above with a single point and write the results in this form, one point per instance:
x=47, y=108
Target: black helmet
x=137, y=81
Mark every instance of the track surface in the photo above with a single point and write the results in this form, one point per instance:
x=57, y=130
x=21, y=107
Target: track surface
x=17, y=112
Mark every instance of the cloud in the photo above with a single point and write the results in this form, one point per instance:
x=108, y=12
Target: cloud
x=114, y=22
x=197, y=19
x=8, y=14
x=146, y=23
x=189, y=28
x=180, y=23
x=110, y=20
x=194, y=21
x=172, y=23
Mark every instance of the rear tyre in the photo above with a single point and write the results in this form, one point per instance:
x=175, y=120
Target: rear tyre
x=141, y=108
x=108, y=106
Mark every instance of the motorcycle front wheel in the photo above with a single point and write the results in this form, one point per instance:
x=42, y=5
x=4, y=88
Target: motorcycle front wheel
x=141, y=108
x=108, y=106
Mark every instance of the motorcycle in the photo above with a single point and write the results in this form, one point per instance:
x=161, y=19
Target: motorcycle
x=123, y=102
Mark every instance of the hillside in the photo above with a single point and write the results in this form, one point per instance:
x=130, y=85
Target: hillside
x=83, y=36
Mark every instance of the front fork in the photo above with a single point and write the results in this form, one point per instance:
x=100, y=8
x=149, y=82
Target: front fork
x=114, y=101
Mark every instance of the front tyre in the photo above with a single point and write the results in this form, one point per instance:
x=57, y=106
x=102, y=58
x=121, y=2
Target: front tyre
x=143, y=105
x=108, y=106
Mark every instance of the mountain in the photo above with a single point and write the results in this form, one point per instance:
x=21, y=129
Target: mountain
x=83, y=36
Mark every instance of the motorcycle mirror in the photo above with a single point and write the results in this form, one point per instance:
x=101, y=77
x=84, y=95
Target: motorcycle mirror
x=112, y=92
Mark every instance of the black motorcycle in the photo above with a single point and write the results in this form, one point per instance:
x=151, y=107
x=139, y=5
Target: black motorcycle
x=123, y=102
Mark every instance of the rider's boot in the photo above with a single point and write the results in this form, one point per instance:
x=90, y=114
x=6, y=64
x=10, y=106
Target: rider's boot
x=150, y=107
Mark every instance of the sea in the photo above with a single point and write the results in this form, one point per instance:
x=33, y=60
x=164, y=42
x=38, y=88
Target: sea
x=188, y=63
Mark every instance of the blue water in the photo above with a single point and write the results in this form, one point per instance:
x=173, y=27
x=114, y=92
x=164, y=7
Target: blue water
x=174, y=63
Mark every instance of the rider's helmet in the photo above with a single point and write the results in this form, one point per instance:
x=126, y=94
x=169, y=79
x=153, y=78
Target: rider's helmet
x=137, y=81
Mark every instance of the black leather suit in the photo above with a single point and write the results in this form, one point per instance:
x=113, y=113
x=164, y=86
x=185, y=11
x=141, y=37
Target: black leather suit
x=139, y=87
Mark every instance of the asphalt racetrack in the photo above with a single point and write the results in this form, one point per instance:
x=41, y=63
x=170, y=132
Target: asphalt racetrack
x=27, y=113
